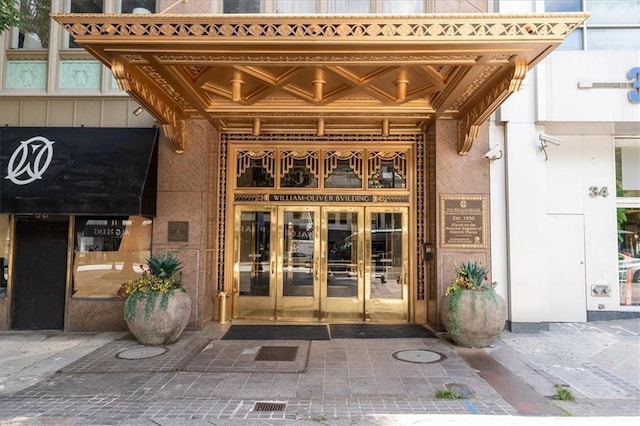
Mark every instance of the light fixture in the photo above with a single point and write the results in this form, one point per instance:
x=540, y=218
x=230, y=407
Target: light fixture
x=137, y=111
x=495, y=153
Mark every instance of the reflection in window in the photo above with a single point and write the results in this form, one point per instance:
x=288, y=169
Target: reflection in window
x=299, y=169
x=256, y=169
x=613, y=25
x=402, y=7
x=5, y=244
x=297, y=262
x=255, y=237
x=629, y=255
x=628, y=219
x=295, y=6
x=387, y=169
x=108, y=252
x=33, y=31
x=343, y=169
x=386, y=256
x=349, y=6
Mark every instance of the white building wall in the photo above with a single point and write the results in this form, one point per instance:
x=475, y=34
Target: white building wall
x=560, y=242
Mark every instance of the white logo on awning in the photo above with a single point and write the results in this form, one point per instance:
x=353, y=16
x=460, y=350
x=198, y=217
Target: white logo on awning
x=30, y=160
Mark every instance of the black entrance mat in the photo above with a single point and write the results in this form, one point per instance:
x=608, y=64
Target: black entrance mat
x=379, y=331
x=277, y=332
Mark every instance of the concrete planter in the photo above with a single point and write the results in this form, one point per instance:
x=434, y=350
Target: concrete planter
x=473, y=319
x=163, y=326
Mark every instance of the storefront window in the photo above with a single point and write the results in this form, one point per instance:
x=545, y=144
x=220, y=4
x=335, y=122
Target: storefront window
x=628, y=218
x=108, y=252
x=5, y=244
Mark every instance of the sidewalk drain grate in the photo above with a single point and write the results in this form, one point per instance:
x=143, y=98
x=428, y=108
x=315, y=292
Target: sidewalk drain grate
x=269, y=406
x=418, y=356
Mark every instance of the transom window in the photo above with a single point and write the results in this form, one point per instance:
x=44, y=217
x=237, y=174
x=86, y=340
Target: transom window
x=338, y=168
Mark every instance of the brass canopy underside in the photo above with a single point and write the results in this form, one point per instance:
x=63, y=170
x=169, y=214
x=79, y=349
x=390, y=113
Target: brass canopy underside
x=320, y=74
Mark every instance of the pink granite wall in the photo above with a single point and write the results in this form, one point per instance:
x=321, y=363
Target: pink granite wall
x=186, y=184
x=458, y=175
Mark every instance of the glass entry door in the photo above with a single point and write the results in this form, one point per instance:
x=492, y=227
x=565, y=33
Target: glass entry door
x=321, y=263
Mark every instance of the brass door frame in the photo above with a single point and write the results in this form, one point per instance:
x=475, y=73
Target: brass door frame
x=242, y=198
x=252, y=306
x=290, y=306
x=342, y=308
x=386, y=309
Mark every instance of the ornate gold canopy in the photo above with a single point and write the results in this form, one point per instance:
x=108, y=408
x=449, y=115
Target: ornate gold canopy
x=278, y=73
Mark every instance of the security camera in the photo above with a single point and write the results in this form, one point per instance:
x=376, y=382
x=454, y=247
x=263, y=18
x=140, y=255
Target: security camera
x=546, y=139
x=494, y=153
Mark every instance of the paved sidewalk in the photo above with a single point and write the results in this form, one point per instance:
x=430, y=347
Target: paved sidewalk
x=85, y=379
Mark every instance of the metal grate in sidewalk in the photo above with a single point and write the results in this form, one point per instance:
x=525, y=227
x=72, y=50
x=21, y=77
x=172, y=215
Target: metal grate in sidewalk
x=269, y=406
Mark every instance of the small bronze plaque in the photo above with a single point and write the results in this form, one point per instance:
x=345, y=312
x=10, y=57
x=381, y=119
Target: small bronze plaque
x=178, y=232
x=463, y=221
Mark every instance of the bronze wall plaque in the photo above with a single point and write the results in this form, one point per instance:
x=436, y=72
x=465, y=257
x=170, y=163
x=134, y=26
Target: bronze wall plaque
x=178, y=232
x=463, y=221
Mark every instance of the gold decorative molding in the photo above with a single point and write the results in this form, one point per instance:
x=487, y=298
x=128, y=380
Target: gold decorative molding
x=320, y=74
x=311, y=27
x=169, y=117
x=469, y=124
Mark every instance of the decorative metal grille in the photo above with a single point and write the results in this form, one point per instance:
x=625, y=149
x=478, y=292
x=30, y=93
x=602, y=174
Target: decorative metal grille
x=222, y=209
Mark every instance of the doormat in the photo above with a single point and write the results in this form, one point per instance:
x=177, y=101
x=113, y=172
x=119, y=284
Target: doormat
x=277, y=353
x=277, y=332
x=379, y=331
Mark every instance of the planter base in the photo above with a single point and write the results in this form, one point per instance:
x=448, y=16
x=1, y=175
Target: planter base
x=476, y=320
x=164, y=326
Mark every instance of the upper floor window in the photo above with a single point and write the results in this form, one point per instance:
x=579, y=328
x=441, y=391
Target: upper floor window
x=137, y=6
x=33, y=30
x=84, y=6
x=613, y=25
x=334, y=7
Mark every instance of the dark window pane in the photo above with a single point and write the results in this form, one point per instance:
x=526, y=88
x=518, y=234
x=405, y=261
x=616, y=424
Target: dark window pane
x=84, y=6
x=241, y=6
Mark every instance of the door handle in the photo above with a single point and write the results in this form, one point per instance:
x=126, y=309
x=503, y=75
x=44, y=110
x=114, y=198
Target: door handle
x=273, y=268
x=316, y=268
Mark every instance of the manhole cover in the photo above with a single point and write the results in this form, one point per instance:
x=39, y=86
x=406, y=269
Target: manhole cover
x=142, y=352
x=418, y=356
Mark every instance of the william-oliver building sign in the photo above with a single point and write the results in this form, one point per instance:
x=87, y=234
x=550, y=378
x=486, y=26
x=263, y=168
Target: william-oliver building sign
x=463, y=221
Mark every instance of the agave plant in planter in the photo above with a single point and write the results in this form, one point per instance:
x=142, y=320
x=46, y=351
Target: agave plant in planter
x=157, y=307
x=471, y=311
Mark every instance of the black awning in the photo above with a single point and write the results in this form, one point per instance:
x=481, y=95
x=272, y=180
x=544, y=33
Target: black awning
x=78, y=170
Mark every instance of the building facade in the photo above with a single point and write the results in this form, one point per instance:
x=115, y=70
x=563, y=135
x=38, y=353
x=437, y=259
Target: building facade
x=567, y=185
x=307, y=160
